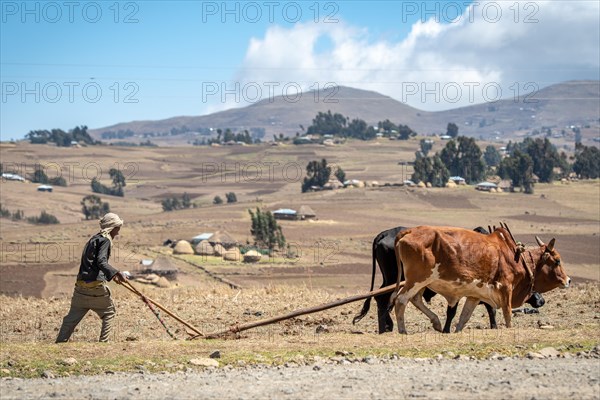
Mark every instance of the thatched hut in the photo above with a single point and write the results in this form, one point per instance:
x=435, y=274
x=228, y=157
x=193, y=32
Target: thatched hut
x=162, y=266
x=224, y=239
x=305, y=212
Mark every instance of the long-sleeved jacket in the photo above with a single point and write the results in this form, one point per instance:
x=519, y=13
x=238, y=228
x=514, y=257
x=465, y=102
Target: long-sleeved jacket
x=94, y=261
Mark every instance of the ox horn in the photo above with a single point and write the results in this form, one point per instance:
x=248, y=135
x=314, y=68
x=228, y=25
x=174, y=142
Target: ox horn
x=539, y=241
x=551, y=244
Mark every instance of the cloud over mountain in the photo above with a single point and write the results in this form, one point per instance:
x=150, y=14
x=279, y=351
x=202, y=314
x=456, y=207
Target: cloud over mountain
x=492, y=50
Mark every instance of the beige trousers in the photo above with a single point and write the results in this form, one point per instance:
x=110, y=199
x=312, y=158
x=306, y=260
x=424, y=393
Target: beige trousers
x=97, y=299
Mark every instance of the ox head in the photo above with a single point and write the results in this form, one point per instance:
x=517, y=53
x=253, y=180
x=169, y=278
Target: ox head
x=550, y=273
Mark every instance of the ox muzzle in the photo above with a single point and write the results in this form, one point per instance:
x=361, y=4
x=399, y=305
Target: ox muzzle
x=536, y=300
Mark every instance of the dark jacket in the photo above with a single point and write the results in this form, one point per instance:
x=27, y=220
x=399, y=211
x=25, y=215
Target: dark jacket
x=94, y=261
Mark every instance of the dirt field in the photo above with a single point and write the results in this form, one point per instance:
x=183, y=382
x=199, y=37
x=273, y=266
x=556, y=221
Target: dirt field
x=333, y=259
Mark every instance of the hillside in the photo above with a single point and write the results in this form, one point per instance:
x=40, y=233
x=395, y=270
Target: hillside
x=569, y=103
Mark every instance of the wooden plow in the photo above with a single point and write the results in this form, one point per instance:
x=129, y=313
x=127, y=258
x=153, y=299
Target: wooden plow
x=310, y=310
x=236, y=328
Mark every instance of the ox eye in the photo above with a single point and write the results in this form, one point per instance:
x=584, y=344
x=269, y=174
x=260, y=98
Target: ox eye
x=557, y=263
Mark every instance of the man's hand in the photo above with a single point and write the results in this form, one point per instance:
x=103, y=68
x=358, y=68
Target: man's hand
x=119, y=278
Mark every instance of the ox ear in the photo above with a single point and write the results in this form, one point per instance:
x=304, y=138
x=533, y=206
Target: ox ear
x=539, y=241
x=550, y=246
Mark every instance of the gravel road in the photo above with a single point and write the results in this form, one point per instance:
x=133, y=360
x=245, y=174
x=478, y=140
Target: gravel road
x=559, y=378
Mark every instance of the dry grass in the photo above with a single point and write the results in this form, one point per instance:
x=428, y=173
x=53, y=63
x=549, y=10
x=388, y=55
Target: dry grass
x=29, y=327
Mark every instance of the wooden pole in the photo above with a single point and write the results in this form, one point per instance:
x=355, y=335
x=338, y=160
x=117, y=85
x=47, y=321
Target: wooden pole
x=132, y=289
x=244, y=327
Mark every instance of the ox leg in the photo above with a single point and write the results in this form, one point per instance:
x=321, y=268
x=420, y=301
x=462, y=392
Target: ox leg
x=507, y=307
x=407, y=292
x=418, y=302
x=492, y=315
x=450, y=314
x=383, y=315
x=466, y=313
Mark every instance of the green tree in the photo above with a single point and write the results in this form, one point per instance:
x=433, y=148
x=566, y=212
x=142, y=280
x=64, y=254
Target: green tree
x=98, y=187
x=452, y=130
x=186, y=202
x=39, y=176
x=167, y=204
x=340, y=174
x=359, y=129
x=174, y=203
x=431, y=169
x=587, y=162
x=265, y=230
x=118, y=179
x=231, y=197
x=318, y=173
x=425, y=145
x=44, y=219
x=405, y=132
x=464, y=160
x=93, y=207
x=519, y=168
x=544, y=156
x=492, y=156
x=387, y=127
x=327, y=124
x=217, y=200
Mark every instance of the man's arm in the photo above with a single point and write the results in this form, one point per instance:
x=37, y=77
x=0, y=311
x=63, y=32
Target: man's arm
x=108, y=270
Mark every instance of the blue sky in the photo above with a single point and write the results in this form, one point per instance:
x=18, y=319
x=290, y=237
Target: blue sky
x=100, y=63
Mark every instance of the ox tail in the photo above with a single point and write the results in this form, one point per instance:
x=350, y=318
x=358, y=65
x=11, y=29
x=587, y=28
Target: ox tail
x=367, y=306
x=401, y=276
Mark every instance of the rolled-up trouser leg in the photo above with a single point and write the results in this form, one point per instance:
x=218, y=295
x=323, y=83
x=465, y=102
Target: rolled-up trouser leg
x=75, y=315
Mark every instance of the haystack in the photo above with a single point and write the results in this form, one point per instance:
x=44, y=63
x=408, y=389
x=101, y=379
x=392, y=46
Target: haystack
x=421, y=184
x=219, y=250
x=232, y=254
x=252, y=256
x=163, y=282
x=183, y=247
x=450, y=184
x=204, y=248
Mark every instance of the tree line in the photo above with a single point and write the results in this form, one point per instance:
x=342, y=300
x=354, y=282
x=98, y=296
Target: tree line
x=61, y=138
x=337, y=124
x=463, y=157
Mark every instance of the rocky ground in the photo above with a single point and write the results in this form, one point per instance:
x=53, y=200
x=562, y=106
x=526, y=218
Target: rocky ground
x=547, y=374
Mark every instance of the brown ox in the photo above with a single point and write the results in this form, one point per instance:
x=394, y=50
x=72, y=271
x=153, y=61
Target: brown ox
x=459, y=263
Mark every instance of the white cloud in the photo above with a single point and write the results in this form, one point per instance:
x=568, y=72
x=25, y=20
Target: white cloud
x=475, y=50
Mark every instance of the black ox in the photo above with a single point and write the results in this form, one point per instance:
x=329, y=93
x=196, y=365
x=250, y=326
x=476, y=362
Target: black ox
x=385, y=255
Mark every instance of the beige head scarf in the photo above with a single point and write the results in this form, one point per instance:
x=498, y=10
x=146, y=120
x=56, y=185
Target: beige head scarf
x=108, y=223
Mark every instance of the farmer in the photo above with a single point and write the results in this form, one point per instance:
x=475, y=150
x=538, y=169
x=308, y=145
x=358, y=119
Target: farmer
x=91, y=289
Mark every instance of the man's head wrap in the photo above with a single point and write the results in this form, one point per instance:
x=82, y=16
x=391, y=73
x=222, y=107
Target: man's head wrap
x=108, y=223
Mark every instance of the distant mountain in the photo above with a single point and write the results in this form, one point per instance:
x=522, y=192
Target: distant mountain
x=569, y=103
